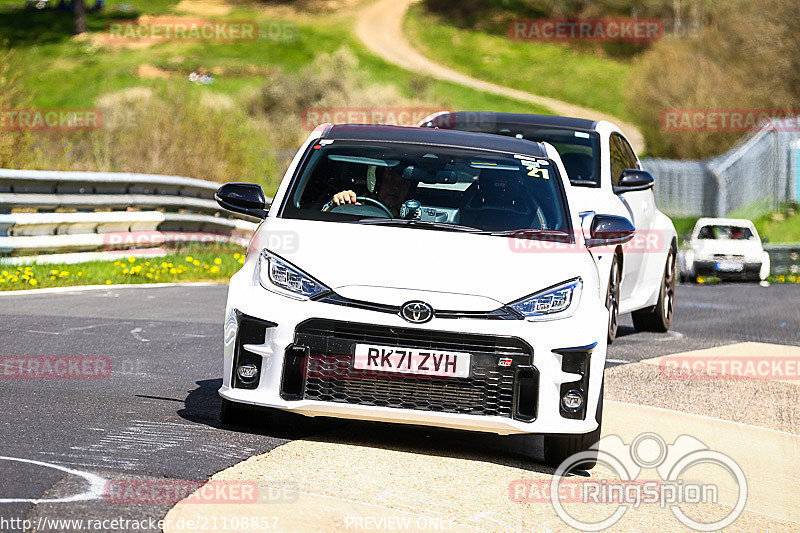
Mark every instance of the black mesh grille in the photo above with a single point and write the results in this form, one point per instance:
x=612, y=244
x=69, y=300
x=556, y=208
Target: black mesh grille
x=330, y=376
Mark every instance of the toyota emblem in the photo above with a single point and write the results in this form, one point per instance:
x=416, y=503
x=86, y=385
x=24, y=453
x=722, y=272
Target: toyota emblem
x=416, y=312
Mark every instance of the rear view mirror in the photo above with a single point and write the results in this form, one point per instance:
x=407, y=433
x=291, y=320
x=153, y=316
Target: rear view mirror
x=245, y=198
x=632, y=179
x=609, y=230
x=426, y=175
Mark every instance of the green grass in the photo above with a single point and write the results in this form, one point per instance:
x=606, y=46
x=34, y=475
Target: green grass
x=781, y=226
x=204, y=266
x=547, y=69
x=59, y=71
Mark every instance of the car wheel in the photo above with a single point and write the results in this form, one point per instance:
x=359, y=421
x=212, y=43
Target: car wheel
x=659, y=317
x=612, y=299
x=557, y=448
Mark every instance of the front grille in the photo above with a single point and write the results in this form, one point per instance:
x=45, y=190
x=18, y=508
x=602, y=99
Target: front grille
x=330, y=376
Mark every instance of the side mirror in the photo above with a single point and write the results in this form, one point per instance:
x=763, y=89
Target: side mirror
x=245, y=198
x=607, y=230
x=632, y=179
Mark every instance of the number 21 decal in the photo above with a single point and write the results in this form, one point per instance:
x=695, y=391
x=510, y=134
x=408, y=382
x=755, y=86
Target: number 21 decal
x=537, y=172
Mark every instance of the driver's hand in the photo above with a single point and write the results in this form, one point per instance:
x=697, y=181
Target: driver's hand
x=345, y=197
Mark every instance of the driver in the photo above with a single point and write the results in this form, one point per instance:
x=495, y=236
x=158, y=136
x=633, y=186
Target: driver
x=392, y=191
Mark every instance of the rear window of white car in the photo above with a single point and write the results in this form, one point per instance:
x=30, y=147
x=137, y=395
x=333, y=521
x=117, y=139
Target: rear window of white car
x=736, y=233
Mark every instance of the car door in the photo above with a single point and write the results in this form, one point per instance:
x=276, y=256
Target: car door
x=641, y=209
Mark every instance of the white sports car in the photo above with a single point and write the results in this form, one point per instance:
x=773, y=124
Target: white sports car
x=727, y=248
x=607, y=177
x=424, y=277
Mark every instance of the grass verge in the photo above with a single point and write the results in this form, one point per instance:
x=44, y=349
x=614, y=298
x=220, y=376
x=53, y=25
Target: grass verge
x=178, y=267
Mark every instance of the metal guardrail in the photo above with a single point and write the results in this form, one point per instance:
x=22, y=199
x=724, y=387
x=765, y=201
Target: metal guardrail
x=753, y=177
x=87, y=214
x=784, y=258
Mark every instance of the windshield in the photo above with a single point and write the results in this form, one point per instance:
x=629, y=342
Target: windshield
x=736, y=233
x=578, y=149
x=432, y=187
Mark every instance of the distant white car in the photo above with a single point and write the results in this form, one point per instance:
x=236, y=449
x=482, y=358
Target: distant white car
x=606, y=177
x=727, y=248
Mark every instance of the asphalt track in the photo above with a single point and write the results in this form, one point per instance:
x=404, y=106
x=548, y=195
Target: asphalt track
x=155, y=416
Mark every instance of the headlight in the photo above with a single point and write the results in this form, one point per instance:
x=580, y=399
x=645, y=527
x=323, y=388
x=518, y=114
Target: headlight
x=556, y=302
x=274, y=272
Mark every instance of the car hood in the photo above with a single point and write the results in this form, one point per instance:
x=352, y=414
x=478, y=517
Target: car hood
x=391, y=265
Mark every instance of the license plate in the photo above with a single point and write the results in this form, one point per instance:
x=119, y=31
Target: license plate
x=729, y=266
x=411, y=361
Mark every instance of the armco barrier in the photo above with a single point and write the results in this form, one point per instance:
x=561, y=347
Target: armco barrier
x=84, y=213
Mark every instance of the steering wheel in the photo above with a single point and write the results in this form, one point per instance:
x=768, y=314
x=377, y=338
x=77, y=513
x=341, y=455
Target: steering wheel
x=330, y=206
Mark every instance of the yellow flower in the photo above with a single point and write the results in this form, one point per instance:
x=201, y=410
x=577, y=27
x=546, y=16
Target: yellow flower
x=80, y=273
x=781, y=279
x=131, y=259
x=217, y=261
x=54, y=272
x=117, y=263
x=149, y=275
x=214, y=269
x=108, y=282
x=2, y=280
x=124, y=270
x=63, y=274
x=236, y=255
x=52, y=277
x=5, y=273
x=14, y=279
x=147, y=263
x=701, y=279
x=164, y=265
x=241, y=260
x=173, y=271
x=196, y=263
x=189, y=259
x=33, y=282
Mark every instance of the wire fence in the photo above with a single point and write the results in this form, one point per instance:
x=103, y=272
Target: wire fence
x=753, y=177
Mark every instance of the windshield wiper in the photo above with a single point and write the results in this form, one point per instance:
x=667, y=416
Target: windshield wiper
x=418, y=223
x=544, y=234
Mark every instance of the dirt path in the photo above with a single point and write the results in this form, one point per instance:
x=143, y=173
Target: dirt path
x=380, y=28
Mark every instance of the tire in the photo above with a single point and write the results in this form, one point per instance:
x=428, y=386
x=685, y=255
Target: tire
x=557, y=448
x=658, y=318
x=612, y=299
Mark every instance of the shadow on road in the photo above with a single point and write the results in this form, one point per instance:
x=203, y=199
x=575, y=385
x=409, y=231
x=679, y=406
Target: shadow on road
x=202, y=406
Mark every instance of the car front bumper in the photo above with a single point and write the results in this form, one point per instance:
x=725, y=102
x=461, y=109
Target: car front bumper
x=525, y=397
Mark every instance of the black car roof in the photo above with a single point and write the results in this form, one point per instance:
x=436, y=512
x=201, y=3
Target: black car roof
x=486, y=120
x=441, y=137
